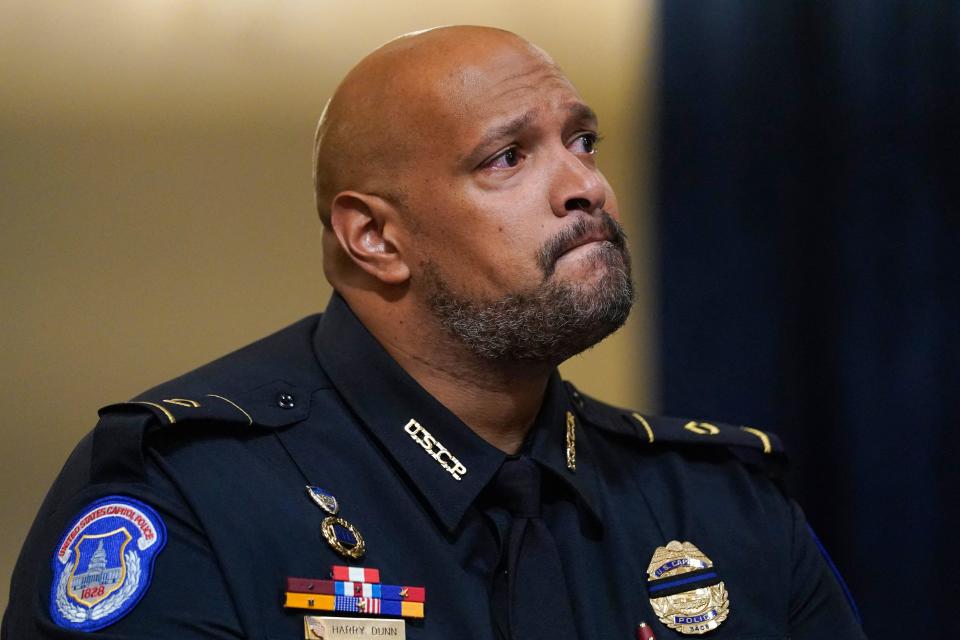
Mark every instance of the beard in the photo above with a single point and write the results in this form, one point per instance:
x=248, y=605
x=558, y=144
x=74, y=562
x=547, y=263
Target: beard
x=552, y=321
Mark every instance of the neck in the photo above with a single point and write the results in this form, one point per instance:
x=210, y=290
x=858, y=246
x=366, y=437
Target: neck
x=499, y=401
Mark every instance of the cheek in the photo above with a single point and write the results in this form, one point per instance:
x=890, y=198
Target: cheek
x=492, y=258
x=482, y=239
x=484, y=260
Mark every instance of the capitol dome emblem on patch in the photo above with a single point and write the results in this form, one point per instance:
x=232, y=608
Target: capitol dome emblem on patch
x=103, y=563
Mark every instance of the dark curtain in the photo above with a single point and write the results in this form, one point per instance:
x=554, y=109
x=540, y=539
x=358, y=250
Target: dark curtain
x=809, y=227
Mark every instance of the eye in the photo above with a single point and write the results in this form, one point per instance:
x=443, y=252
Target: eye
x=586, y=143
x=506, y=159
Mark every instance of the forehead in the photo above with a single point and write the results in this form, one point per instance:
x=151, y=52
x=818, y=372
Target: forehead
x=497, y=85
x=502, y=75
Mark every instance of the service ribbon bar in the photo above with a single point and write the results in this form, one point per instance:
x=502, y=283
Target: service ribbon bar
x=355, y=590
x=355, y=574
x=359, y=589
x=353, y=604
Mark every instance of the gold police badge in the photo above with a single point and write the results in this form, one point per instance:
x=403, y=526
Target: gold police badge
x=685, y=590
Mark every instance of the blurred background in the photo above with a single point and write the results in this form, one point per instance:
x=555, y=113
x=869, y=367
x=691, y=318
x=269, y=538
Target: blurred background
x=787, y=171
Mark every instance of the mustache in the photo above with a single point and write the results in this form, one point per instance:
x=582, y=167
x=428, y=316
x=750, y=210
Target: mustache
x=601, y=226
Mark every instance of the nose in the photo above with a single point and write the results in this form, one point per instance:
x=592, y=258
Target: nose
x=577, y=186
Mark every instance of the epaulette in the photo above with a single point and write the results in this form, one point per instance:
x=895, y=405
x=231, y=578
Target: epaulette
x=265, y=385
x=119, y=436
x=749, y=444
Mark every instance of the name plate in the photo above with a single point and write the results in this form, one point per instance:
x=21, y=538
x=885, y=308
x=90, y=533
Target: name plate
x=335, y=628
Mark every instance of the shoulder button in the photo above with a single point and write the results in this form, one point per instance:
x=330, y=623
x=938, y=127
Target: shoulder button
x=286, y=401
x=577, y=398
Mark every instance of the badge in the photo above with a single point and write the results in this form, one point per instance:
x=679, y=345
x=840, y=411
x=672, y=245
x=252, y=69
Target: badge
x=323, y=499
x=685, y=590
x=104, y=562
x=343, y=537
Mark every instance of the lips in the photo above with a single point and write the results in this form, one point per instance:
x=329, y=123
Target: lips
x=583, y=231
x=584, y=240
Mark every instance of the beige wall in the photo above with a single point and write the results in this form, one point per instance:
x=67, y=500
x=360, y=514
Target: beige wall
x=156, y=199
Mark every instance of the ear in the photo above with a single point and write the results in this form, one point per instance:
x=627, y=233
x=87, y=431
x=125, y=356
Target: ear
x=367, y=228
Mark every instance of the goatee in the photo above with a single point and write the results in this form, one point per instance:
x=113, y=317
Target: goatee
x=554, y=320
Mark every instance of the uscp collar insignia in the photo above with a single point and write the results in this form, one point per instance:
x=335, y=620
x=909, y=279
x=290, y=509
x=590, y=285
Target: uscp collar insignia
x=685, y=590
x=103, y=563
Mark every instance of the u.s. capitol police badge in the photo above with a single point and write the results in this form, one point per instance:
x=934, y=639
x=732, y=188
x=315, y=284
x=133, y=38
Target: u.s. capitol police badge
x=103, y=563
x=685, y=590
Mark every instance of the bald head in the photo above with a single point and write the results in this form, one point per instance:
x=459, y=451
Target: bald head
x=463, y=206
x=397, y=102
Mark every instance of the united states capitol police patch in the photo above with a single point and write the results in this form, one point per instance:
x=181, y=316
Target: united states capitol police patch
x=103, y=563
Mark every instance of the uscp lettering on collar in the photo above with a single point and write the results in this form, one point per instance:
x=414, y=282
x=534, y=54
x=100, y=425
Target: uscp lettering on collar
x=435, y=450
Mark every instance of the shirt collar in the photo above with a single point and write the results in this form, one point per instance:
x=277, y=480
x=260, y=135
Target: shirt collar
x=429, y=444
x=549, y=446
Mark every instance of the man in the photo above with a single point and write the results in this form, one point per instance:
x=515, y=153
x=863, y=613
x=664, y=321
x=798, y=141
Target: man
x=473, y=245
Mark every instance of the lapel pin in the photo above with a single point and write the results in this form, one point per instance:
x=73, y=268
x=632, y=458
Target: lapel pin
x=343, y=537
x=323, y=499
x=571, y=442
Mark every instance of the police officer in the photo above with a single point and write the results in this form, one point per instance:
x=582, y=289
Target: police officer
x=410, y=461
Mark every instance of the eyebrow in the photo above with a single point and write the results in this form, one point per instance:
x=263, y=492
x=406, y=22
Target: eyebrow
x=578, y=112
x=582, y=113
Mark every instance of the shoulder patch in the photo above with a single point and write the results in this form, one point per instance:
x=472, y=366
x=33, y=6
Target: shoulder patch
x=103, y=564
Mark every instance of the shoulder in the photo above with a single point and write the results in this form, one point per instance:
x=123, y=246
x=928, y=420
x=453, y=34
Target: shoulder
x=265, y=385
x=748, y=444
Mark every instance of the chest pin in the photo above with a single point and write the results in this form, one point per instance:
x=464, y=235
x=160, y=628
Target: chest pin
x=323, y=499
x=343, y=537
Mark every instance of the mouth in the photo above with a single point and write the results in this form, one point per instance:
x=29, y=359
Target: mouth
x=582, y=237
x=583, y=241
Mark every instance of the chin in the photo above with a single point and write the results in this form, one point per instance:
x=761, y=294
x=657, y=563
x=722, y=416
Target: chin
x=555, y=320
x=591, y=265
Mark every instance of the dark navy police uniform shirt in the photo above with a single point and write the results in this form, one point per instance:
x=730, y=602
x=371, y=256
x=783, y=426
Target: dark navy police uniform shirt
x=221, y=456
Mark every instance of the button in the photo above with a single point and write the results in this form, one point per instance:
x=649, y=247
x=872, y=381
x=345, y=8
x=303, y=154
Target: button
x=285, y=401
x=578, y=399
